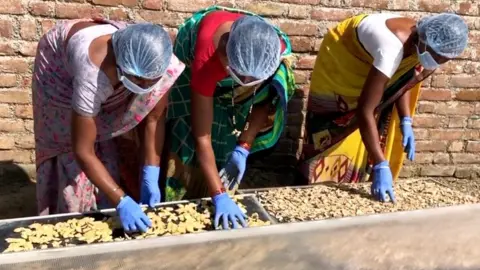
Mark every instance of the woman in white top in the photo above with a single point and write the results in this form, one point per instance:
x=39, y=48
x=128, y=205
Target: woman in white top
x=365, y=66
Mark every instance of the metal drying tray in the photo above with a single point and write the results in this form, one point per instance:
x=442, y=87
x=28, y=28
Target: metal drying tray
x=7, y=226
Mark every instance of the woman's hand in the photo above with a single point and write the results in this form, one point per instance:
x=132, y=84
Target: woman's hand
x=84, y=133
x=232, y=173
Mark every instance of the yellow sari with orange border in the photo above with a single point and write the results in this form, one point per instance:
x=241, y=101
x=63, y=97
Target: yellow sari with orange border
x=333, y=149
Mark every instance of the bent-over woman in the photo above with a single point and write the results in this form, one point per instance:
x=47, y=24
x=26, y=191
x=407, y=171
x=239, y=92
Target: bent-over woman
x=95, y=80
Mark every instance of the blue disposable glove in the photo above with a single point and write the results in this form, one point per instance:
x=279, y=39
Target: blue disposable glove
x=228, y=210
x=232, y=174
x=408, y=141
x=382, y=182
x=131, y=215
x=150, y=191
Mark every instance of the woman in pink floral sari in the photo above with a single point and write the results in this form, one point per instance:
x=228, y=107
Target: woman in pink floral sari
x=95, y=80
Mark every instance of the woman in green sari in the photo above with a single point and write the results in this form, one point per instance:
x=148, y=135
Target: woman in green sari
x=229, y=102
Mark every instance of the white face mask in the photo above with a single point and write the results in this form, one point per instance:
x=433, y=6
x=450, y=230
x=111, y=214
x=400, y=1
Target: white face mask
x=427, y=60
x=237, y=80
x=132, y=86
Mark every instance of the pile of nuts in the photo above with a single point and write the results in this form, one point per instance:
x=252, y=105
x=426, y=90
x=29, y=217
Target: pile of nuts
x=346, y=200
x=181, y=219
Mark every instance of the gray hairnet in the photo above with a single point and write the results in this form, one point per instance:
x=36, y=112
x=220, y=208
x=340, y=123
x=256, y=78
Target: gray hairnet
x=253, y=48
x=446, y=34
x=142, y=50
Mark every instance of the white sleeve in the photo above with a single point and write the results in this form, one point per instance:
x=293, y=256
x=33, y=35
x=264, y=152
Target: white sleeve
x=385, y=48
x=388, y=60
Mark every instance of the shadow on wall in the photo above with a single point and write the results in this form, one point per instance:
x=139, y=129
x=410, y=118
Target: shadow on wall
x=17, y=192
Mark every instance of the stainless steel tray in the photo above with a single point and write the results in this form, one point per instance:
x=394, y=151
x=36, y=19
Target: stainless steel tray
x=7, y=226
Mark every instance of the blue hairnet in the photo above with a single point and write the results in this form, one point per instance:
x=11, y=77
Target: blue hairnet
x=253, y=48
x=446, y=34
x=143, y=50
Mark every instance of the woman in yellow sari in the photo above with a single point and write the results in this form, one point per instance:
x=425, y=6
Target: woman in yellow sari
x=360, y=91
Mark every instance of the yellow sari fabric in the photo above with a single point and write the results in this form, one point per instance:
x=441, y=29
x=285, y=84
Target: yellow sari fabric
x=340, y=71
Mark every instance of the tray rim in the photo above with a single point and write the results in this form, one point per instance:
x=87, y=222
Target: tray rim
x=213, y=236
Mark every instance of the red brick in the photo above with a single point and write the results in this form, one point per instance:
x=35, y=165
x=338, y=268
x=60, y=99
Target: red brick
x=28, y=125
x=26, y=81
x=47, y=24
x=420, y=133
x=25, y=142
x=188, y=5
x=474, y=123
x=464, y=173
x=457, y=121
x=12, y=7
x=302, y=2
x=440, y=81
x=15, y=96
x=13, y=65
x=28, y=48
x=298, y=28
x=471, y=67
x=435, y=94
x=400, y=5
x=456, y=146
x=437, y=170
x=6, y=28
x=42, y=8
x=7, y=143
x=426, y=107
x=301, y=44
x=299, y=12
x=454, y=108
x=118, y=15
x=468, y=95
x=465, y=81
x=267, y=9
x=473, y=146
x=318, y=44
x=408, y=172
x=24, y=111
x=446, y=134
x=305, y=62
x=77, y=11
x=467, y=9
x=8, y=80
x=376, y=4
x=431, y=146
x=5, y=110
x=441, y=158
x=429, y=121
x=474, y=37
x=433, y=5
x=28, y=29
x=331, y=14
x=423, y=158
x=9, y=125
x=113, y=3
x=7, y=48
x=464, y=158
x=166, y=18
x=452, y=67
x=153, y=4
x=16, y=156
x=301, y=76
x=471, y=134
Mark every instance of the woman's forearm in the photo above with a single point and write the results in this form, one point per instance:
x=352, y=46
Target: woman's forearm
x=206, y=160
x=370, y=136
x=99, y=176
x=256, y=121
x=153, y=139
x=403, y=105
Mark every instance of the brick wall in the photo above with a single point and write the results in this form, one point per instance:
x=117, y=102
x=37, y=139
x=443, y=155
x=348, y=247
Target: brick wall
x=447, y=124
